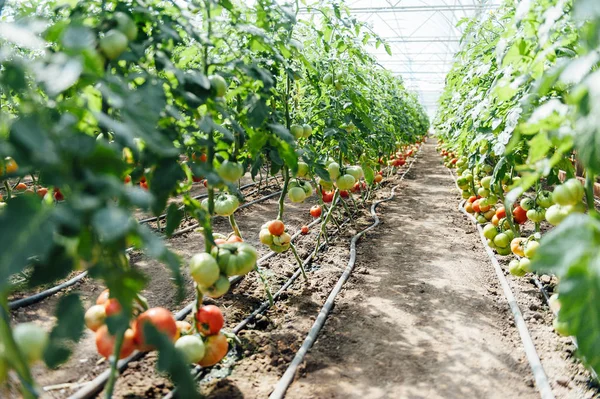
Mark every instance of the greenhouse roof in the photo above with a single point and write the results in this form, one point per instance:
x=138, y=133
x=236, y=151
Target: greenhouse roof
x=423, y=38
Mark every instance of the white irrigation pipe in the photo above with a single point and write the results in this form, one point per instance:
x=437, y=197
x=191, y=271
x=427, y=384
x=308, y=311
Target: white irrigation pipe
x=541, y=379
x=288, y=376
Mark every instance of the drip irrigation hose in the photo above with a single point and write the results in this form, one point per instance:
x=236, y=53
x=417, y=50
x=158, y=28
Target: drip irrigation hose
x=288, y=376
x=30, y=300
x=539, y=374
x=95, y=386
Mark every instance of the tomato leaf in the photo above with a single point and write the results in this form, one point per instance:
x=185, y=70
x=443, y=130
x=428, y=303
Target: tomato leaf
x=67, y=330
x=174, y=218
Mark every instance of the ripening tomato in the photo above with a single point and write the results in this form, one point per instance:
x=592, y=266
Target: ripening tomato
x=127, y=179
x=344, y=194
x=216, y=349
x=517, y=246
x=520, y=215
x=42, y=191
x=316, y=211
x=276, y=227
x=209, y=320
x=378, y=179
x=21, y=187
x=95, y=317
x=183, y=327
x=205, y=183
x=11, y=166
x=105, y=343
x=304, y=230
x=103, y=297
x=476, y=207
x=472, y=199
x=161, y=318
x=197, y=179
x=501, y=212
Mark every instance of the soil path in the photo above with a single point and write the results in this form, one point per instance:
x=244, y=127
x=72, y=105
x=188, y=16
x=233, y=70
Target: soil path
x=421, y=317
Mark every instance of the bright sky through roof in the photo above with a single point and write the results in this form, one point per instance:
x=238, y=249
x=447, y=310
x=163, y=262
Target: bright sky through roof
x=423, y=37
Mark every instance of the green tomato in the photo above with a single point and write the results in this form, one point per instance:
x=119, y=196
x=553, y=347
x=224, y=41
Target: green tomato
x=483, y=192
x=491, y=244
x=296, y=194
x=503, y=251
x=328, y=79
x=218, y=85
x=225, y=204
x=281, y=243
x=297, y=131
x=492, y=199
x=191, y=347
x=510, y=234
x=126, y=25
x=113, y=44
x=31, y=340
x=531, y=248
x=3, y=368
x=218, y=289
x=466, y=194
x=487, y=168
x=326, y=185
x=468, y=176
x=577, y=208
x=525, y=264
x=536, y=215
x=514, y=267
x=308, y=188
x=463, y=183
x=555, y=214
x=544, y=199
x=236, y=258
x=502, y=240
x=265, y=236
x=481, y=219
x=339, y=85
x=230, y=171
x=569, y=193
x=204, y=269
x=486, y=182
x=334, y=170
x=345, y=182
x=355, y=171
x=527, y=203
x=490, y=231
x=306, y=130
x=302, y=169
x=561, y=327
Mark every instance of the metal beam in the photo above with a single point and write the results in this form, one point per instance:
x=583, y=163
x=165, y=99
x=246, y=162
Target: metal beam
x=422, y=39
x=433, y=8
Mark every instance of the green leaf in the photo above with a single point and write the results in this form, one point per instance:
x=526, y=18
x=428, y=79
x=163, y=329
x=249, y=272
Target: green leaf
x=388, y=49
x=67, y=330
x=174, y=218
x=587, y=143
x=539, y=146
x=112, y=223
x=23, y=221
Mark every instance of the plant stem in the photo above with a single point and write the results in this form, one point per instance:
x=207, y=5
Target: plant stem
x=234, y=226
x=293, y=247
x=286, y=179
x=114, y=361
x=265, y=284
x=589, y=193
x=13, y=354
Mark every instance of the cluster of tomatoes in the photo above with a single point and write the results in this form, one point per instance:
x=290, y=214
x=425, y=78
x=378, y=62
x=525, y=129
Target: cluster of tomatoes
x=273, y=235
x=203, y=344
x=229, y=257
x=9, y=166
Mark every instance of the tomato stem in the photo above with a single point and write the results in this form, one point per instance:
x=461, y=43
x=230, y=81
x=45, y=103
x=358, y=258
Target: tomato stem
x=286, y=179
x=13, y=354
x=293, y=247
x=265, y=284
x=589, y=193
x=114, y=361
x=234, y=226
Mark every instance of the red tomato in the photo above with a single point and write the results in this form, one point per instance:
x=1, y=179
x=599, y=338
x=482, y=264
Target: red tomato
x=276, y=227
x=316, y=211
x=105, y=343
x=304, y=230
x=58, y=195
x=21, y=187
x=344, y=194
x=501, y=212
x=161, y=318
x=378, y=178
x=327, y=197
x=197, y=179
x=216, y=349
x=520, y=215
x=209, y=320
x=183, y=327
x=472, y=199
x=127, y=179
x=112, y=307
x=144, y=185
